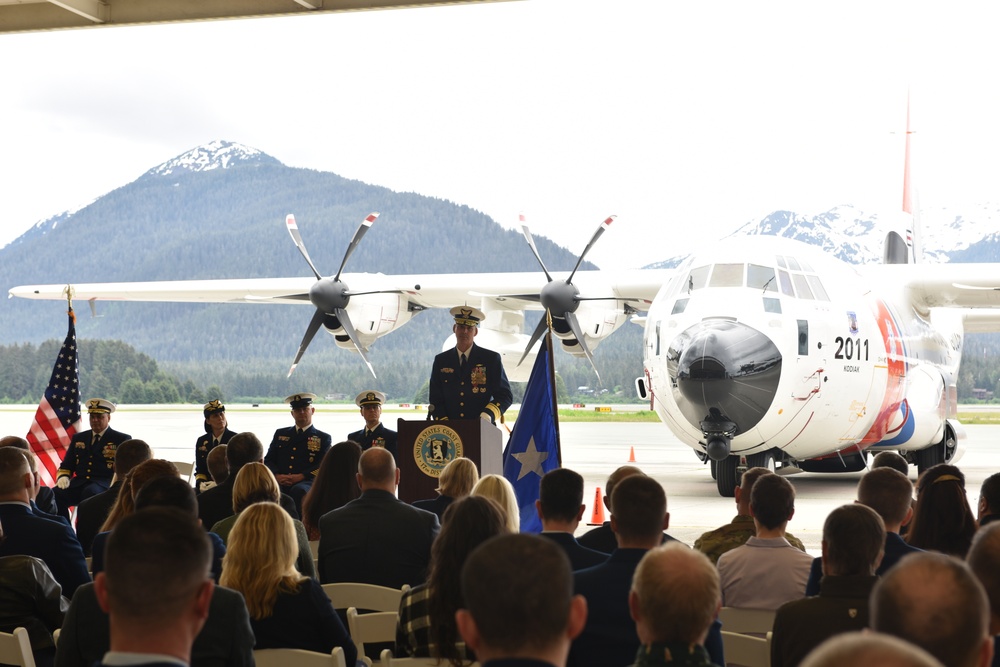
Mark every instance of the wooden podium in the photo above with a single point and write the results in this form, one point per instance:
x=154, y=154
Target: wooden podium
x=423, y=448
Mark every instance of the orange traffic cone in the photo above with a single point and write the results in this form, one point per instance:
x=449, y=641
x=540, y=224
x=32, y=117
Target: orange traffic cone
x=631, y=454
x=597, y=516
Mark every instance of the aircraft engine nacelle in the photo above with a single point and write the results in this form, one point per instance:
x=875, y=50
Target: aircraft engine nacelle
x=597, y=322
x=925, y=396
x=373, y=316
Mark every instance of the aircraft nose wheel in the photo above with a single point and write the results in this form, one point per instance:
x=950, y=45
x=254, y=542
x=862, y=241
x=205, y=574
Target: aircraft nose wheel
x=726, y=476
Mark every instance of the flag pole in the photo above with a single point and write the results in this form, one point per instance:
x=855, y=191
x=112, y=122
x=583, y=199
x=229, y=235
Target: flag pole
x=552, y=383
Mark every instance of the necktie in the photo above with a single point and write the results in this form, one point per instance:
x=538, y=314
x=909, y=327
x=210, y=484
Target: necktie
x=95, y=440
x=461, y=363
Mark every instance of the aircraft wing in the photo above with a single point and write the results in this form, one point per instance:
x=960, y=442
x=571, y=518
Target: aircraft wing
x=941, y=285
x=512, y=290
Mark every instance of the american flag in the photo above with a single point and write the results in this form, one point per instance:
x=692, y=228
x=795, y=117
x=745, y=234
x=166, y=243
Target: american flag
x=58, y=415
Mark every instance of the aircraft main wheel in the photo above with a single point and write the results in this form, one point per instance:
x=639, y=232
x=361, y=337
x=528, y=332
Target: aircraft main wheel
x=941, y=452
x=762, y=460
x=726, y=476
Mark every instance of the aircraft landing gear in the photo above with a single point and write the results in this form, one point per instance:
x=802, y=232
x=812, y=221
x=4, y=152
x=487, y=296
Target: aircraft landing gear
x=728, y=473
x=942, y=452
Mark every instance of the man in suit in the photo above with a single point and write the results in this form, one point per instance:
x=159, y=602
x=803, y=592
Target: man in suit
x=639, y=518
x=519, y=607
x=295, y=452
x=89, y=463
x=27, y=534
x=602, y=538
x=92, y=512
x=468, y=381
x=376, y=538
x=374, y=434
x=560, y=508
x=156, y=589
x=216, y=433
x=890, y=493
x=43, y=502
x=216, y=504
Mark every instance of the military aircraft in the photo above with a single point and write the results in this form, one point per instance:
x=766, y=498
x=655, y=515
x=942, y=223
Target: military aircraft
x=757, y=350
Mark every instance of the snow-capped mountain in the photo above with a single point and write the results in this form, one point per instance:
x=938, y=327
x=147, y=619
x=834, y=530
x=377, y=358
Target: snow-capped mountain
x=217, y=154
x=857, y=237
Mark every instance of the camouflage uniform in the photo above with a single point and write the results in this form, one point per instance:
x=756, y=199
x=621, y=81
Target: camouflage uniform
x=716, y=542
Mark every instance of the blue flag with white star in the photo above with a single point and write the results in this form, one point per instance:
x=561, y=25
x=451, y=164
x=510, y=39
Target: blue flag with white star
x=533, y=447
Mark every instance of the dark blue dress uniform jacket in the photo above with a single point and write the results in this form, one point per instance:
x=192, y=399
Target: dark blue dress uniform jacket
x=93, y=461
x=387, y=437
x=201, y=449
x=297, y=453
x=482, y=386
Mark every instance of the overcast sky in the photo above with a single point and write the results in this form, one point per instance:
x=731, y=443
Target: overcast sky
x=686, y=119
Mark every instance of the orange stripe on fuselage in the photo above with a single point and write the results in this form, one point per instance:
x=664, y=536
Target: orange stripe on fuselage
x=896, y=378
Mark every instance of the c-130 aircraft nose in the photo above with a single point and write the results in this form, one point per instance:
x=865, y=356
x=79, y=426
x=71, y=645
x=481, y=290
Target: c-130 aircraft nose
x=724, y=376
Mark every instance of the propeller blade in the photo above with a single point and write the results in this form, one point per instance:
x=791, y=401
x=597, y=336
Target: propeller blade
x=358, y=235
x=574, y=325
x=293, y=229
x=314, y=325
x=593, y=239
x=531, y=244
x=375, y=291
x=539, y=330
x=345, y=321
x=612, y=298
x=523, y=297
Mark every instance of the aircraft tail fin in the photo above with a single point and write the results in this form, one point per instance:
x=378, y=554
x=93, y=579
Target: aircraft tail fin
x=899, y=249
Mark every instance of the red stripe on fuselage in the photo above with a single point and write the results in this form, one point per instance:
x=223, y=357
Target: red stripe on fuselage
x=895, y=383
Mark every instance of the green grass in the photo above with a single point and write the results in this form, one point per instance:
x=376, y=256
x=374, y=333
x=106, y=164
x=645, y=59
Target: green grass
x=987, y=418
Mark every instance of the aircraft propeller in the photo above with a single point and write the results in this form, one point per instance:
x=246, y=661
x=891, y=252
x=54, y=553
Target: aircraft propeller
x=330, y=295
x=562, y=298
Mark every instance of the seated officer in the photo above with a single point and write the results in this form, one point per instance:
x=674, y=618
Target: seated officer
x=374, y=434
x=89, y=464
x=295, y=452
x=216, y=433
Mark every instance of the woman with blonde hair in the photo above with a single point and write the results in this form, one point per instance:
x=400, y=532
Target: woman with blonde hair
x=456, y=481
x=498, y=488
x=255, y=483
x=287, y=610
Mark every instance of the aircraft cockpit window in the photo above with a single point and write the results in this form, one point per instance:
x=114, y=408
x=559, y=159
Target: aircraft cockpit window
x=781, y=262
x=817, y=287
x=679, y=306
x=802, y=286
x=772, y=305
x=698, y=278
x=727, y=275
x=786, y=283
x=806, y=266
x=762, y=278
x=793, y=264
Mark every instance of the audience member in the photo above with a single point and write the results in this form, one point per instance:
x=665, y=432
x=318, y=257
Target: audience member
x=989, y=500
x=891, y=460
x=560, y=508
x=31, y=598
x=767, y=571
x=88, y=464
x=603, y=538
x=287, y=609
x=336, y=484
x=255, y=483
x=456, y=481
x=426, y=626
x=125, y=503
x=218, y=468
x=42, y=499
x=934, y=601
x=890, y=494
x=377, y=538
x=216, y=503
x=984, y=561
x=868, y=649
x=716, y=542
x=942, y=519
x=674, y=600
x=519, y=607
x=26, y=534
x=157, y=589
x=639, y=517
x=499, y=488
x=853, y=542
x=93, y=511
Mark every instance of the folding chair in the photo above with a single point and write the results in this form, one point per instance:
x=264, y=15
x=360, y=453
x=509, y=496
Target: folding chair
x=15, y=648
x=376, y=627
x=364, y=596
x=294, y=657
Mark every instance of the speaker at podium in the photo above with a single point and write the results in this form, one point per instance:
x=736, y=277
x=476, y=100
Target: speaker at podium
x=424, y=448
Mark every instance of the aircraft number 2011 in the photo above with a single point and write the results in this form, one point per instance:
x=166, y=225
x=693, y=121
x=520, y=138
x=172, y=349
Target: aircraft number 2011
x=848, y=348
